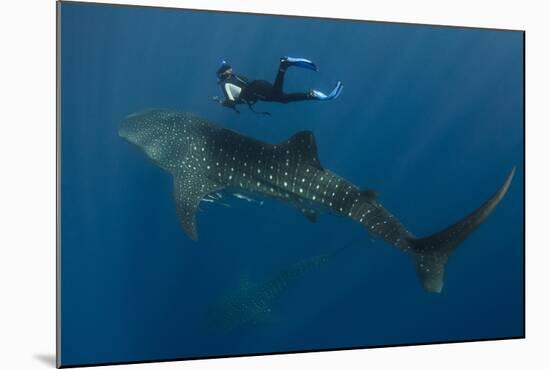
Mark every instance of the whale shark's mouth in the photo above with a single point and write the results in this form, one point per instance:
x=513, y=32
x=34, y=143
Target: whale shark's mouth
x=143, y=123
x=136, y=127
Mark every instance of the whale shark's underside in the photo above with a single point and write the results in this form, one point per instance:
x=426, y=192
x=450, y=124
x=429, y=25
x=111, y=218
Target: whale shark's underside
x=205, y=158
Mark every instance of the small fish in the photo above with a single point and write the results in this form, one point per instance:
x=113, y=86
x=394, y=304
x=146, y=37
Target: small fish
x=248, y=199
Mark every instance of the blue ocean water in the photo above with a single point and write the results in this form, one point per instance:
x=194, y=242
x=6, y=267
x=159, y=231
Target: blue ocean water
x=430, y=117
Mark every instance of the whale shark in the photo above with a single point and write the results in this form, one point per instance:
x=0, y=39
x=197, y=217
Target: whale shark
x=205, y=158
x=251, y=303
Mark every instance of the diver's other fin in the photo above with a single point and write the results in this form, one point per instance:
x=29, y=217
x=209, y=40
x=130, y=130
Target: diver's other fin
x=336, y=91
x=289, y=61
x=431, y=253
x=303, y=148
x=310, y=214
x=188, y=192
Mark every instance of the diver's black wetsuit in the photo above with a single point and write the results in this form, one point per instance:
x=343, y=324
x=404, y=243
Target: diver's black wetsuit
x=238, y=90
x=265, y=91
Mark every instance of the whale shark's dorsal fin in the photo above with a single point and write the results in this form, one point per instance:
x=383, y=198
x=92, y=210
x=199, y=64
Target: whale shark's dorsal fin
x=303, y=147
x=188, y=192
x=370, y=195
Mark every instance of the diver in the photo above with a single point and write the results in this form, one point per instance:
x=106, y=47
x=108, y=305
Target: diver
x=238, y=90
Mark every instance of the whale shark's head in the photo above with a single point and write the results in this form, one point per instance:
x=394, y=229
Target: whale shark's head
x=160, y=133
x=143, y=127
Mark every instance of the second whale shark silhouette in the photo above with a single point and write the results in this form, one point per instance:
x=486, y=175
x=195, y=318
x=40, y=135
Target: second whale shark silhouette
x=251, y=303
x=205, y=158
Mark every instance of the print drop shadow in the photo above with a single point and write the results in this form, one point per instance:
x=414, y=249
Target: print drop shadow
x=47, y=359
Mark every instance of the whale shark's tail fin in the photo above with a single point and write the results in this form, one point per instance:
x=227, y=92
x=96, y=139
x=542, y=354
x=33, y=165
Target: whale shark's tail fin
x=431, y=253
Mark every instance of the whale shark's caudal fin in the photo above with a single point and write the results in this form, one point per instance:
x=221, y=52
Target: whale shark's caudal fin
x=431, y=253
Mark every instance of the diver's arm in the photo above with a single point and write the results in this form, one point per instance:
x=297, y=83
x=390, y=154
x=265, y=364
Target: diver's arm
x=230, y=104
x=231, y=100
x=227, y=103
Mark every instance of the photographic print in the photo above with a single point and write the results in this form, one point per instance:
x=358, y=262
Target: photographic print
x=238, y=184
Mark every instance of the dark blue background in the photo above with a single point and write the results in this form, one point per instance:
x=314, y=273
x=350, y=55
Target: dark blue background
x=430, y=117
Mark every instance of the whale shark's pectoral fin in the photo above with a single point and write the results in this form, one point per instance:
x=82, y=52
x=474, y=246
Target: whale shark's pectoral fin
x=188, y=192
x=303, y=147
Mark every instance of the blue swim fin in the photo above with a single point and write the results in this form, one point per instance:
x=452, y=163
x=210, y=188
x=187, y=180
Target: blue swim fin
x=318, y=95
x=298, y=62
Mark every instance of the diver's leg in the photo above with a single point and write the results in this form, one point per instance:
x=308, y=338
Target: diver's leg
x=311, y=95
x=296, y=96
x=284, y=63
x=277, y=90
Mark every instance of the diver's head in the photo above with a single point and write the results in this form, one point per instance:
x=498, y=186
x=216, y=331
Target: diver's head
x=224, y=71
